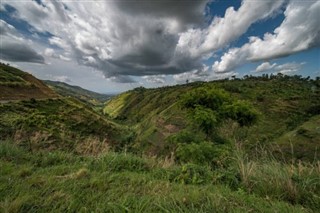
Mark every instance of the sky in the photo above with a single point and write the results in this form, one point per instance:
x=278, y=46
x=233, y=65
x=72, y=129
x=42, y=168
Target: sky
x=116, y=45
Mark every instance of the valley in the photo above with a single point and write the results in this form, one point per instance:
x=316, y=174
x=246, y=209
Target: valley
x=237, y=145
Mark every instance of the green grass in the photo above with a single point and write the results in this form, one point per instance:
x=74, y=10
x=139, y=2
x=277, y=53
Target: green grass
x=93, y=99
x=18, y=85
x=11, y=75
x=64, y=124
x=283, y=103
x=59, y=155
x=121, y=182
x=302, y=142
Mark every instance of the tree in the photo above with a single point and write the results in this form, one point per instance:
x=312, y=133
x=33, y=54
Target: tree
x=209, y=107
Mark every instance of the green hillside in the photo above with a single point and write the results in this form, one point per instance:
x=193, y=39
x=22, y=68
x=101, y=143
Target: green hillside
x=35, y=117
x=88, y=97
x=63, y=124
x=302, y=142
x=17, y=85
x=282, y=102
x=228, y=146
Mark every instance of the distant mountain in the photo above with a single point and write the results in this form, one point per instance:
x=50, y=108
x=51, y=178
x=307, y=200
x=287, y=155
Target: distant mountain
x=18, y=85
x=77, y=92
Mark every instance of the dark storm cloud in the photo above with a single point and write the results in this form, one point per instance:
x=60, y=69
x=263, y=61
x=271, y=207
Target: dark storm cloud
x=14, y=51
x=13, y=47
x=140, y=37
x=187, y=12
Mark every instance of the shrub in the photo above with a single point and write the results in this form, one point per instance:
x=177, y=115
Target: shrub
x=193, y=174
x=203, y=153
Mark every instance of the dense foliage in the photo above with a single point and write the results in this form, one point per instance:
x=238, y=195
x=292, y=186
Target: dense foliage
x=254, y=111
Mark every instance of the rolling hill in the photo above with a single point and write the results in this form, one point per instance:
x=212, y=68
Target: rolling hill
x=18, y=85
x=283, y=103
x=37, y=118
x=152, y=151
x=77, y=92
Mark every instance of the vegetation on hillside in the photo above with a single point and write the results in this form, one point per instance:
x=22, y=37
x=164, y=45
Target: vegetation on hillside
x=281, y=104
x=17, y=85
x=246, y=145
x=95, y=100
x=64, y=124
x=112, y=182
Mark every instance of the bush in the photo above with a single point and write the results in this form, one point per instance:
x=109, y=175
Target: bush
x=193, y=174
x=203, y=153
x=209, y=107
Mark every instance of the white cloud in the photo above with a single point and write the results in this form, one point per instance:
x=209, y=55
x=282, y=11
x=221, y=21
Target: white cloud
x=150, y=38
x=155, y=79
x=218, y=76
x=265, y=67
x=59, y=42
x=298, y=32
x=62, y=78
x=222, y=31
x=155, y=38
x=286, y=68
x=289, y=68
x=51, y=53
x=16, y=48
x=202, y=74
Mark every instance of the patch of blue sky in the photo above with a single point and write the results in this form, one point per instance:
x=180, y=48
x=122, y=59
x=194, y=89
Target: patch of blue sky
x=22, y=26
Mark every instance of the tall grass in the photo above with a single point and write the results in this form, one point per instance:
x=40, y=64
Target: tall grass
x=296, y=182
x=123, y=182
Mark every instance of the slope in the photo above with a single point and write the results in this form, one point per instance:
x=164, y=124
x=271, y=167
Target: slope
x=304, y=140
x=77, y=92
x=283, y=102
x=18, y=85
x=35, y=117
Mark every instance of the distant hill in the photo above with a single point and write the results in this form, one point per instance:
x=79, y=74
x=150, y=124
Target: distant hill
x=18, y=85
x=77, y=92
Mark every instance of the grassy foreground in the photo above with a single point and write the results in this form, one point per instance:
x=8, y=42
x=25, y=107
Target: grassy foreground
x=120, y=182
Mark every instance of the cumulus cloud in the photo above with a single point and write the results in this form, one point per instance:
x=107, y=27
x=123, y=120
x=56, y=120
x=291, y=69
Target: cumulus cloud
x=184, y=12
x=265, y=67
x=6, y=29
x=225, y=29
x=62, y=78
x=289, y=68
x=14, y=48
x=155, y=79
x=122, y=79
x=128, y=38
x=51, y=53
x=219, y=76
x=18, y=51
x=202, y=74
x=59, y=43
x=120, y=37
x=139, y=38
x=298, y=32
x=286, y=68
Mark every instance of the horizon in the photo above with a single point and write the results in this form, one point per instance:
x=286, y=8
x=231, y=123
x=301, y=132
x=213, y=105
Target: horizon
x=114, y=46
